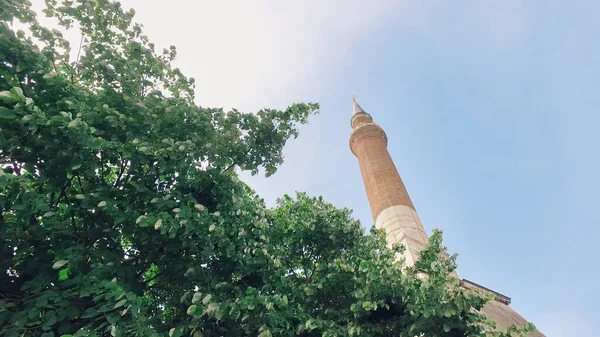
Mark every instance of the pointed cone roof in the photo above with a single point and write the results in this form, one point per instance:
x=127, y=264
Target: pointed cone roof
x=357, y=108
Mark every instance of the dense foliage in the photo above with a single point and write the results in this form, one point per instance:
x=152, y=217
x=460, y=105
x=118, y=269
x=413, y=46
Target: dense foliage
x=121, y=212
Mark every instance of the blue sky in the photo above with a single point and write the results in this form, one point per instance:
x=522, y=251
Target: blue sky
x=491, y=110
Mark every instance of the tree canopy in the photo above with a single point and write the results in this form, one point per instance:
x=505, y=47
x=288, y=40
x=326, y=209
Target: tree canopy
x=121, y=212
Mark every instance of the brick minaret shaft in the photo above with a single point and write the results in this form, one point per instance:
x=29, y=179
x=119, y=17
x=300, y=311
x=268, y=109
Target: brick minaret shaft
x=390, y=203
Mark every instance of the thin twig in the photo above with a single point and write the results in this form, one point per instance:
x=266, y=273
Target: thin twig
x=78, y=54
x=62, y=192
x=101, y=168
x=230, y=166
x=80, y=185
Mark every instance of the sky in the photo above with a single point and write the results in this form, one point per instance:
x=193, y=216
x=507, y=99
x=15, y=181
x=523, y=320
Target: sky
x=490, y=108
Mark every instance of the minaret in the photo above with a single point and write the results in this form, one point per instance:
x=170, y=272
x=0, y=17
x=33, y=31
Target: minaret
x=393, y=210
x=390, y=203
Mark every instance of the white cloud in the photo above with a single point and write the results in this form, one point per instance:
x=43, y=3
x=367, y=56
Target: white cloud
x=251, y=54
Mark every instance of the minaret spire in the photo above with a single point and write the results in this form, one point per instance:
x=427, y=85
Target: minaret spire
x=391, y=206
x=357, y=108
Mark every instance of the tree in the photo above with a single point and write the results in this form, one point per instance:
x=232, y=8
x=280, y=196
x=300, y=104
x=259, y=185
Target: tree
x=121, y=212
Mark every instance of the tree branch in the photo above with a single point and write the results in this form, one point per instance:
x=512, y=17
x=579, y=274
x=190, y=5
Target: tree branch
x=80, y=185
x=62, y=191
x=236, y=161
x=152, y=278
x=16, y=168
x=122, y=167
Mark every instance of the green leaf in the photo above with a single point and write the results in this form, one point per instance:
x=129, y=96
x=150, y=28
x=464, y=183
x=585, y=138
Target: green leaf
x=120, y=303
x=197, y=296
x=206, y=299
x=230, y=250
x=191, y=309
x=174, y=332
x=447, y=327
x=74, y=123
x=184, y=297
x=6, y=113
x=264, y=332
x=89, y=312
x=59, y=264
x=112, y=319
x=17, y=92
x=82, y=333
x=51, y=319
x=310, y=325
x=213, y=308
x=49, y=75
x=189, y=272
x=63, y=274
x=6, y=96
x=125, y=310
